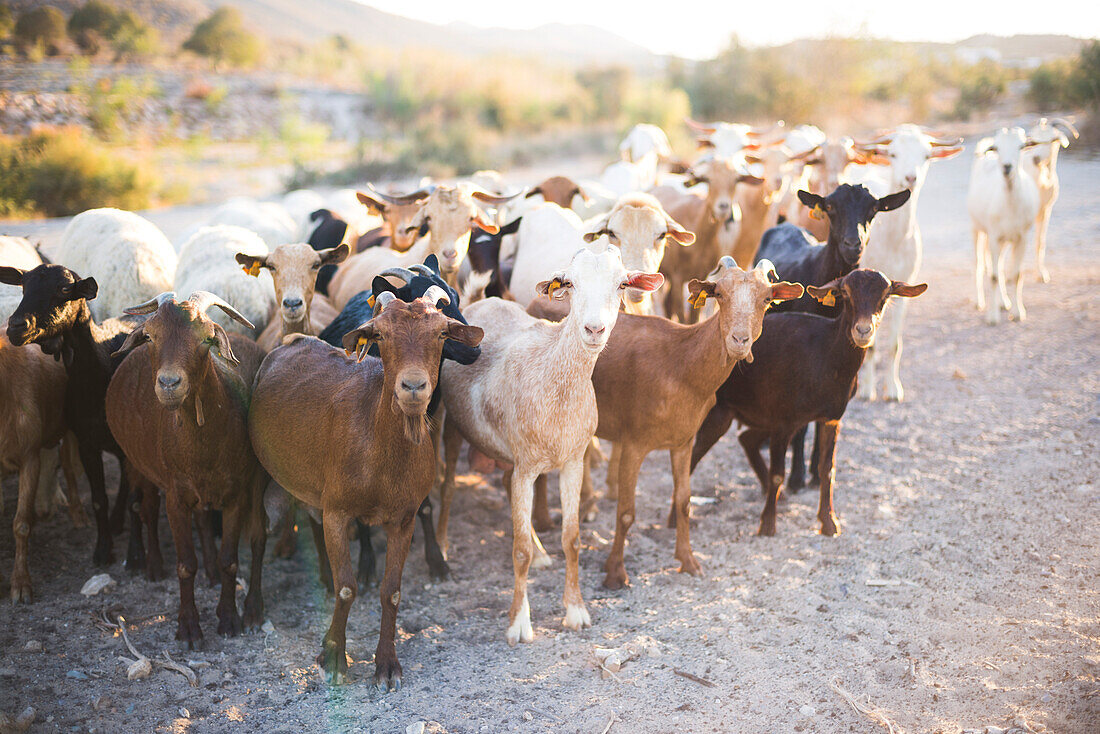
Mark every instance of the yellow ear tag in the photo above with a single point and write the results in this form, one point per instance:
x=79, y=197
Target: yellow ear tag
x=370, y=301
x=253, y=269
x=817, y=213
x=699, y=300
x=829, y=299
x=554, y=285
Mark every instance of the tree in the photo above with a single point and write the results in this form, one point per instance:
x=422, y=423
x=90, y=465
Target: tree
x=43, y=26
x=7, y=20
x=132, y=38
x=1085, y=79
x=223, y=38
x=91, y=24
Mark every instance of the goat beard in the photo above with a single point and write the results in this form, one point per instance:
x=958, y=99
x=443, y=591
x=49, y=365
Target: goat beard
x=417, y=427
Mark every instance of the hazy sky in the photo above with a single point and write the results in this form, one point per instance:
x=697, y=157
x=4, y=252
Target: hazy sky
x=699, y=28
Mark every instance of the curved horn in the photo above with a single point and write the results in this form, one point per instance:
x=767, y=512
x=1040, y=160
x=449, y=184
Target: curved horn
x=203, y=300
x=699, y=127
x=382, y=300
x=768, y=269
x=403, y=273
x=942, y=141
x=724, y=263
x=485, y=196
x=151, y=305
x=422, y=269
x=401, y=199
x=436, y=296
x=1066, y=125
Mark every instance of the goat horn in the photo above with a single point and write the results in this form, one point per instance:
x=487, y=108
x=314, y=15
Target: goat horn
x=768, y=268
x=151, y=305
x=940, y=141
x=436, y=296
x=403, y=273
x=382, y=300
x=203, y=300
x=1066, y=125
x=699, y=127
x=401, y=199
x=724, y=263
x=485, y=196
x=422, y=269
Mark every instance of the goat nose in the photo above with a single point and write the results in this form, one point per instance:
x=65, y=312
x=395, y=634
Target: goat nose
x=292, y=303
x=740, y=341
x=450, y=254
x=168, y=382
x=910, y=180
x=1008, y=169
x=414, y=384
x=863, y=329
x=595, y=330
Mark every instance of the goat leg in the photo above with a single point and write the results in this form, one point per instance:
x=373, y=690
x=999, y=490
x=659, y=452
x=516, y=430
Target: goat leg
x=519, y=614
x=188, y=631
x=324, y=568
x=437, y=565
x=229, y=621
x=629, y=465
x=815, y=455
x=92, y=460
x=118, y=513
x=256, y=526
x=368, y=562
x=22, y=524
x=135, y=549
x=681, y=500
x=333, y=658
x=751, y=440
x=452, y=444
x=827, y=431
x=540, y=515
x=714, y=426
x=798, y=461
x=205, y=526
x=70, y=460
x=150, y=518
x=387, y=670
x=778, y=450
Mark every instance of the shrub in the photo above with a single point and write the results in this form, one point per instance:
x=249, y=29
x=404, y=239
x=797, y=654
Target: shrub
x=1049, y=87
x=981, y=87
x=92, y=20
x=7, y=20
x=132, y=38
x=223, y=39
x=60, y=172
x=41, y=27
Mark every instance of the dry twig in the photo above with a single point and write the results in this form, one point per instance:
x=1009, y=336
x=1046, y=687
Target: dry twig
x=693, y=677
x=871, y=712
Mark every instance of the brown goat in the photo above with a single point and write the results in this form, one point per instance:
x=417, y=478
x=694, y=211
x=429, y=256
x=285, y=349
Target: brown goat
x=32, y=393
x=369, y=455
x=641, y=359
x=398, y=213
x=559, y=190
x=294, y=271
x=707, y=218
x=178, y=406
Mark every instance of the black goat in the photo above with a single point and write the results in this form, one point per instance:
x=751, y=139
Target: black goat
x=484, y=256
x=328, y=232
x=804, y=370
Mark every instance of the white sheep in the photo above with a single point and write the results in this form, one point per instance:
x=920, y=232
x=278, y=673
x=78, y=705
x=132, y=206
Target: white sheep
x=15, y=252
x=1003, y=202
x=645, y=138
x=1042, y=165
x=208, y=263
x=131, y=260
x=528, y=400
x=894, y=246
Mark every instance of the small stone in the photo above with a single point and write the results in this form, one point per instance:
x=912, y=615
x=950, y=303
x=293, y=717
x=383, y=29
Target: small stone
x=823, y=608
x=32, y=646
x=7, y=672
x=96, y=584
x=1047, y=698
x=527, y=716
x=184, y=712
x=959, y=374
x=417, y=727
x=76, y=675
x=807, y=710
x=100, y=703
x=994, y=730
x=1068, y=435
x=268, y=627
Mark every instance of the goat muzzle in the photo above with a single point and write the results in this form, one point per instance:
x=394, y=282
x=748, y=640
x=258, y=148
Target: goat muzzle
x=863, y=334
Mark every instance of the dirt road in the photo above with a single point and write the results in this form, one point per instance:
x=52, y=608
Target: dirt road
x=963, y=592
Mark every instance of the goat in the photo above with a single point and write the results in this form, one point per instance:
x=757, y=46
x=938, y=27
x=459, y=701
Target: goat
x=711, y=218
x=416, y=282
x=208, y=262
x=1052, y=135
x=267, y=219
x=300, y=204
x=760, y=205
x=55, y=314
x=15, y=252
x=178, y=405
x=645, y=138
x=548, y=237
x=449, y=213
x=1003, y=201
x=376, y=462
x=895, y=247
x=623, y=177
x=398, y=232
x=328, y=230
x=294, y=271
x=529, y=401
x=804, y=370
x=642, y=358
x=484, y=257
x=126, y=254
x=728, y=140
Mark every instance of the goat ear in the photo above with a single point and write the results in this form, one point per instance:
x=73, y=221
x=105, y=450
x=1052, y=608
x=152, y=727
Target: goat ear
x=678, y=233
x=334, y=255
x=357, y=341
x=11, y=276
x=251, y=264
x=890, y=202
x=588, y=199
x=134, y=339
x=787, y=291
x=809, y=199
x=221, y=338
x=827, y=293
x=553, y=288
x=537, y=191
x=512, y=227
x=950, y=152
x=749, y=179
x=482, y=220
x=597, y=229
x=466, y=334
x=86, y=289
x=897, y=288
x=699, y=291
x=644, y=281
x=374, y=205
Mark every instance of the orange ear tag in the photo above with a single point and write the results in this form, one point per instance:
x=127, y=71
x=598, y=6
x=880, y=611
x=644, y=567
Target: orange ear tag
x=699, y=300
x=370, y=301
x=554, y=285
x=253, y=269
x=817, y=213
x=829, y=299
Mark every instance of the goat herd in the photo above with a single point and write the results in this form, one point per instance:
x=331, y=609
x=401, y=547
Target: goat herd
x=329, y=373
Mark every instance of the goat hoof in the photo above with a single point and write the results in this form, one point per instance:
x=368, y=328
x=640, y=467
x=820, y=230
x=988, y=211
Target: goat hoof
x=690, y=564
x=117, y=522
x=103, y=556
x=189, y=635
x=154, y=571
x=387, y=676
x=334, y=664
x=253, y=618
x=767, y=528
x=229, y=625
x=365, y=581
x=286, y=548
x=830, y=526
x=796, y=483
x=438, y=569
x=576, y=617
x=519, y=631
x=616, y=578
x=545, y=523
x=21, y=591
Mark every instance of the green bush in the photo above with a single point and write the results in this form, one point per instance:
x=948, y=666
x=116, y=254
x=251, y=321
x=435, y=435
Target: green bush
x=7, y=20
x=1084, y=83
x=981, y=87
x=223, y=38
x=132, y=38
x=90, y=23
x=42, y=27
x=60, y=172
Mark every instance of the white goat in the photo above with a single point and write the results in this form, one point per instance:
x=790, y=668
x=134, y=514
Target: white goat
x=299, y=204
x=208, y=263
x=645, y=138
x=528, y=400
x=266, y=218
x=547, y=239
x=895, y=247
x=130, y=259
x=728, y=140
x=1003, y=202
x=1042, y=165
x=623, y=177
x=15, y=252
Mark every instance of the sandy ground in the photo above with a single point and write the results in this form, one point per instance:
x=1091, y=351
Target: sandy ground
x=977, y=501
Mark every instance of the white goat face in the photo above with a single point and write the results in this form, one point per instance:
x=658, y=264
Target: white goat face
x=729, y=139
x=640, y=234
x=1050, y=139
x=450, y=213
x=1008, y=143
x=909, y=152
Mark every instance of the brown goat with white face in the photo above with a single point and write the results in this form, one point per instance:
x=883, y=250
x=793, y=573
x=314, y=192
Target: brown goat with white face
x=398, y=213
x=559, y=190
x=294, y=271
x=178, y=406
x=655, y=383
x=369, y=456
